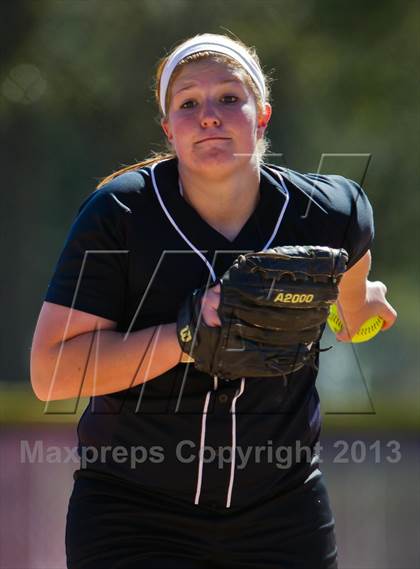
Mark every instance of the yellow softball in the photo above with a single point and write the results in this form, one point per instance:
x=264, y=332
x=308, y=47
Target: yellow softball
x=366, y=332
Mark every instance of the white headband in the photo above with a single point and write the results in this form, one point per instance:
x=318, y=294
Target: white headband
x=216, y=43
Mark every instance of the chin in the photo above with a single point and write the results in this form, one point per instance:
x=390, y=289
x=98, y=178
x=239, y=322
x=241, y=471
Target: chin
x=225, y=162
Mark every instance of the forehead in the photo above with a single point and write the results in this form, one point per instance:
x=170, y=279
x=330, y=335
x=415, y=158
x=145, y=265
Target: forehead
x=207, y=71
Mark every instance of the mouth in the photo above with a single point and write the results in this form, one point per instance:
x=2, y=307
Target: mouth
x=209, y=138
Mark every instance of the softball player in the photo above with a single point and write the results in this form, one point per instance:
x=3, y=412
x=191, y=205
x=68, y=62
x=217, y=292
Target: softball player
x=178, y=468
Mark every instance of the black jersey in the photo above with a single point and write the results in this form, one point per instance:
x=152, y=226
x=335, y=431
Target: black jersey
x=134, y=252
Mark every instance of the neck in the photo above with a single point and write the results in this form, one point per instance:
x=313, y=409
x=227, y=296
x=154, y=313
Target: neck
x=225, y=204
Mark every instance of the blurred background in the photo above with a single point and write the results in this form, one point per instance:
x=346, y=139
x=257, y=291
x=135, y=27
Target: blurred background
x=76, y=103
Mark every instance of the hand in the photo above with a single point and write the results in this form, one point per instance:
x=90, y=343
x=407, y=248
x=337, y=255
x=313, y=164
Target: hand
x=375, y=304
x=210, y=303
x=256, y=321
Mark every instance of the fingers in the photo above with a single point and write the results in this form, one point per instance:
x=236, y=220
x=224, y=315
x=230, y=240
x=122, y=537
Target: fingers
x=383, y=288
x=355, y=321
x=343, y=336
x=389, y=314
x=210, y=303
x=212, y=297
x=384, y=308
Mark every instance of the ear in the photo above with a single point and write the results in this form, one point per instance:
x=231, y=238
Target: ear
x=264, y=119
x=166, y=128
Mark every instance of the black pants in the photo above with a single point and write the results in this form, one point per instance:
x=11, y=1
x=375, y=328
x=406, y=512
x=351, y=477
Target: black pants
x=116, y=526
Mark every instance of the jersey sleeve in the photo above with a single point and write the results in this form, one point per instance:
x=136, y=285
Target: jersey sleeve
x=350, y=223
x=360, y=231
x=90, y=274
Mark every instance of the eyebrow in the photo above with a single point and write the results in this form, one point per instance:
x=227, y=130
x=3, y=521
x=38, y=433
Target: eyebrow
x=189, y=85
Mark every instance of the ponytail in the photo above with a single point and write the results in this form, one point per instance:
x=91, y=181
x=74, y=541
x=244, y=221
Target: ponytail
x=147, y=162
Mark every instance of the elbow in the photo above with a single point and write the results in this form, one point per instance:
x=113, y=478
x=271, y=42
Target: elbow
x=43, y=390
x=46, y=384
x=38, y=383
x=42, y=377
x=37, y=370
x=39, y=392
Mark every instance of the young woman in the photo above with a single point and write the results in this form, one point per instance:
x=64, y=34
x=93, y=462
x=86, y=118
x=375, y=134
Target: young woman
x=180, y=469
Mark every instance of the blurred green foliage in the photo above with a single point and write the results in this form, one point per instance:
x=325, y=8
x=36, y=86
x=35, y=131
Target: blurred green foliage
x=76, y=103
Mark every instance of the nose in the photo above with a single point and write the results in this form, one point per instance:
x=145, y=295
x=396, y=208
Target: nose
x=209, y=116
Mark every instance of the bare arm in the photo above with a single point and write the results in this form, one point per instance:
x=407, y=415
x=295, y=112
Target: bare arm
x=78, y=354
x=360, y=299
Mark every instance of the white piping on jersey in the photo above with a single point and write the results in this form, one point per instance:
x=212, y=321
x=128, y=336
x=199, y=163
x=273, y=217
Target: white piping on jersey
x=283, y=189
x=173, y=222
x=202, y=441
x=125, y=208
x=233, y=453
x=201, y=451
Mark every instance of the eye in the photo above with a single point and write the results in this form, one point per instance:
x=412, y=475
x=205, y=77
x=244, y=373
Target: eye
x=188, y=104
x=229, y=99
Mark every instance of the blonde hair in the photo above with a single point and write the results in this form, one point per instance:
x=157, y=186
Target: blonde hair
x=262, y=144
